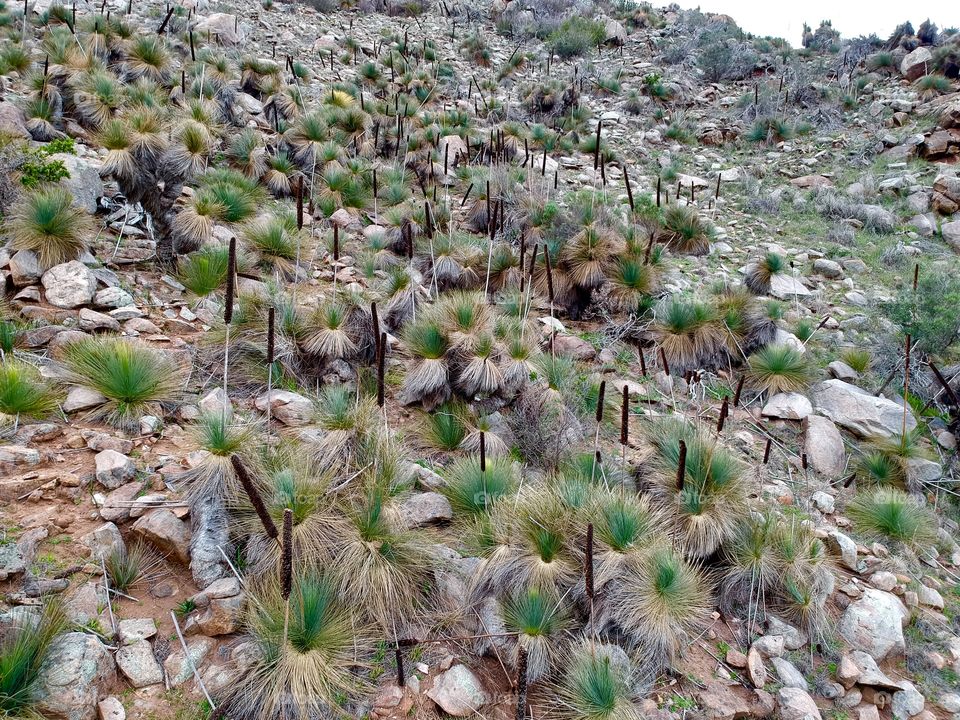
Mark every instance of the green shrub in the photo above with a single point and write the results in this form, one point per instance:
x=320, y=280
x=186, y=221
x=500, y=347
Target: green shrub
x=923, y=316
x=575, y=36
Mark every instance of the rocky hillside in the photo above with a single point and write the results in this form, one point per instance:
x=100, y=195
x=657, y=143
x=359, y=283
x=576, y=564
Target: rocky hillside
x=583, y=360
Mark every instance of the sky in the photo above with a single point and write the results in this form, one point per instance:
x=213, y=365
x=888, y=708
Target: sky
x=850, y=17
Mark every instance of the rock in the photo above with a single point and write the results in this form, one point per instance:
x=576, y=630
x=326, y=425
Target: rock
x=848, y=673
x=458, y=692
x=769, y=645
x=165, y=530
x=113, y=297
x=84, y=182
x=828, y=268
x=574, y=347
x=288, y=407
x=951, y=234
x=111, y=709
x=841, y=371
x=215, y=402
x=77, y=667
x=114, y=469
x=756, y=670
x=81, y=398
x=614, y=33
x=249, y=103
x=883, y=580
x=789, y=675
x=736, y=659
x=907, y=702
x=12, y=122
x=138, y=664
x=222, y=616
x=103, y=541
x=823, y=501
x=796, y=704
x=84, y=603
x=793, y=639
x=180, y=667
x=811, y=181
x=843, y=547
x=921, y=471
x=915, y=65
x=25, y=268
x=453, y=148
x=135, y=630
x=787, y=406
x=92, y=320
x=867, y=712
x=787, y=287
x=949, y=702
x=19, y=455
x=874, y=624
x=424, y=509
x=209, y=533
x=69, y=284
x=930, y=597
x=727, y=701
x=223, y=26
x=859, y=411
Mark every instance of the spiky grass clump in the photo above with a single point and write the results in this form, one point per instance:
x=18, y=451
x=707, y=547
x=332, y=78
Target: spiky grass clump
x=274, y=238
x=540, y=620
x=132, y=565
x=218, y=435
x=427, y=380
x=893, y=516
x=24, y=648
x=24, y=394
x=347, y=421
x=778, y=369
x=472, y=491
x=204, y=271
x=632, y=284
x=878, y=468
x=445, y=428
x=328, y=337
x=858, y=359
x=897, y=451
x=708, y=507
x=761, y=273
x=660, y=602
x=597, y=685
x=689, y=333
x=305, y=671
x=625, y=527
x=46, y=222
x=136, y=380
x=686, y=231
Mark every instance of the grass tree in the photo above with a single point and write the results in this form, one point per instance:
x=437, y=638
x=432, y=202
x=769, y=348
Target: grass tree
x=24, y=394
x=890, y=515
x=427, y=379
x=777, y=369
x=540, y=620
x=24, y=648
x=596, y=685
x=134, y=379
x=689, y=333
x=47, y=223
x=763, y=271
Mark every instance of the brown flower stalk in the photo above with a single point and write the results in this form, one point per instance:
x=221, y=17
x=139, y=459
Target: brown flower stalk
x=231, y=282
x=625, y=417
x=682, y=466
x=254, y=495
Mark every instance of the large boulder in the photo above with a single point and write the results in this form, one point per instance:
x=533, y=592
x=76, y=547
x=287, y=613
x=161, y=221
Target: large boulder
x=287, y=407
x=951, y=234
x=84, y=182
x=458, y=692
x=787, y=406
x=222, y=26
x=916, y=64
x=824, y=446
x=113, y=469
x=69, y=285
x=12, y=122
x=858, y=411
x=78, y=667
x=874, y=624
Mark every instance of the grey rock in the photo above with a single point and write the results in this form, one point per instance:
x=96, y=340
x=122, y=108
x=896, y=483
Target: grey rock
x=136, y=629
x=788, y=406
x=874, y=624
x=883, y=580
x=824, y=501
x=222, y=25
x=110, y=708
x=288, y=407
x=425, y=509
x=84, y=182
x=69, y=285
x=81, y=398
x=209, y=533
x=916, y=64
x=858, y=411
x=25, y=268
x=796, y=704
x=793, y=639
x=787, y=287
x=113, y=297
x=789, y=675
x=907, y=702
x=12, y=122
x=869, y=673
x=165, y=530
x=843, y=547
x=921, y=471
x=138, y=664
x=458, y=692
x=113, y=469
x=103, y=541
x=19, y=455
x=92, y=320
x=951, y=234
x=180, y=666
x=841, y=371
x=77, y=668
x=828, y=268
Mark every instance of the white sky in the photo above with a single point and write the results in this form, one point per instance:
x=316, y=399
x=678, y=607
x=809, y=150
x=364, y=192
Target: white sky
x=851, y=17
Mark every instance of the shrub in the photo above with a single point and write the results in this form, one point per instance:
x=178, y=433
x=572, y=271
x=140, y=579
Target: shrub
x=857, y=358
x=575, y=36
x=922, y=317
x=24, y=394
x=892, y=515
x=778, y=368
x=37, y=169
x=204, y=271
x=133, y=565
x=23, y=649
x=596, y=686
x=472, y=491
x=134, y=378
x=46, y=223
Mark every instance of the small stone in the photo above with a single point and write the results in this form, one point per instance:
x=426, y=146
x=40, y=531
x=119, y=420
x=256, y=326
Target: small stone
x=846, y=548
x=103, y=541
x=756, y=670
x=883, y=580
x=110, y=708
x=288, y=407
x=458, y=692
x=788, y=406
x=907, y=702
x=426, y=508
x=138, y=664
x=789, y=675
x=796, y=704
x=69, y=285
x=134, y=630
x=165, y=530
x=114, y=469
